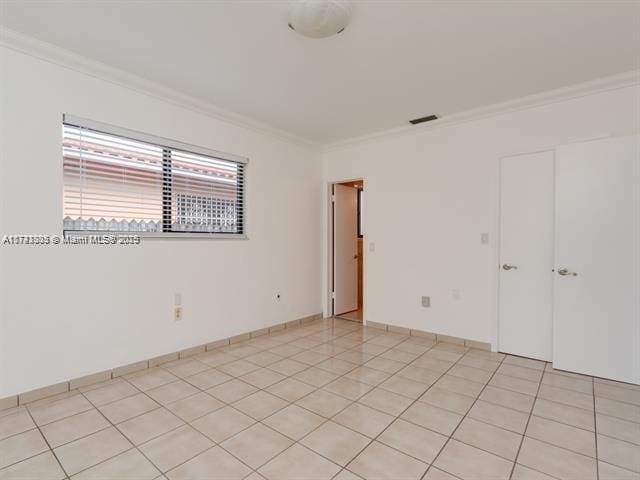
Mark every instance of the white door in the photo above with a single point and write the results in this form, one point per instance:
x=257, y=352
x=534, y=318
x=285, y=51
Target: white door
x=597, y=286
x=345, y=249
x=526, y=255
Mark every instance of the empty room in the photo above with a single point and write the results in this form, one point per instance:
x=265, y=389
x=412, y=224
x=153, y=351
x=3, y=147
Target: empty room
x=319, y=240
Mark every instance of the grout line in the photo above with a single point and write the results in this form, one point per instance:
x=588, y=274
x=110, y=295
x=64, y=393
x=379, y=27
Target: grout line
x=524, y=432
x=48, y=445
x=460, y=422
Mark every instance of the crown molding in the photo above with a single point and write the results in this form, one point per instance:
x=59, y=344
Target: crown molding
x=605, y=84
x=25, y=44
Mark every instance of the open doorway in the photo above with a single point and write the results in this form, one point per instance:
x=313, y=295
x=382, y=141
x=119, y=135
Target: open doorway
x=347, y=239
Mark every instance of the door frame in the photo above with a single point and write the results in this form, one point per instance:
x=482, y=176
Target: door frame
x=330, y=249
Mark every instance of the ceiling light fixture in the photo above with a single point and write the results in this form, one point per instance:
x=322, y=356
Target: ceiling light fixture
x=319, y=18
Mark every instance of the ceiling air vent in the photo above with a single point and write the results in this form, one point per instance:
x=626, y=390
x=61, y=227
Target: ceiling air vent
x=416, y=121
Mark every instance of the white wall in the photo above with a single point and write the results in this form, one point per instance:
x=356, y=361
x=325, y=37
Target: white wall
x=429, y=196
x=71, y=311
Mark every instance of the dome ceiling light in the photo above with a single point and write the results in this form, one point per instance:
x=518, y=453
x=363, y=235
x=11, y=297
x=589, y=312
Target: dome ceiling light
x=319, y=18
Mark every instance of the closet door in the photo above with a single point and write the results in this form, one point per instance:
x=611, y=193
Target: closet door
x=526, y=255
x=596, y=285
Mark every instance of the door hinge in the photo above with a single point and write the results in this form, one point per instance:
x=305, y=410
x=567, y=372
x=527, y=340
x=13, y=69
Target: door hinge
x=333, y=295
x=333, y=198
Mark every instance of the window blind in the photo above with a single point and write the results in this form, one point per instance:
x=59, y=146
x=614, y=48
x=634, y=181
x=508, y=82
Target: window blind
x=121, y=181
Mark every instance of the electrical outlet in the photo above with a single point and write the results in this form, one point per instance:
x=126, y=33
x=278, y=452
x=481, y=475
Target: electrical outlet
x=455, y=294
x=177, y=314
x=426, y=302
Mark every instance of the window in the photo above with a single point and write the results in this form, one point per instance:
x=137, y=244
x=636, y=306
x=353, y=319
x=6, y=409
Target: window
x=121, y=181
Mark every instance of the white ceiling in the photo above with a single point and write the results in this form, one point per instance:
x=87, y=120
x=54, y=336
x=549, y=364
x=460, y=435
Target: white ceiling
x=395, y=61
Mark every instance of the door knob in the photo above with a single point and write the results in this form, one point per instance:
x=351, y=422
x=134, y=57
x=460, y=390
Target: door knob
x=506, y=266
x=566, y=273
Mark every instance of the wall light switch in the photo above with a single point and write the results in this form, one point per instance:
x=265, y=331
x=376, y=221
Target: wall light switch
x=484, y=238
x=372, y=247
x=455, y=294
x=177, y=300
x=426, y=301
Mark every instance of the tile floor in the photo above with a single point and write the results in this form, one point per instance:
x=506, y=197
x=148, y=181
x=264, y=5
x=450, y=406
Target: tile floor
x=332, y=400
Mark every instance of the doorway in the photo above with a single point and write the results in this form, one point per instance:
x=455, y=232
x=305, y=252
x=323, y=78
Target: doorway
x=347, y=252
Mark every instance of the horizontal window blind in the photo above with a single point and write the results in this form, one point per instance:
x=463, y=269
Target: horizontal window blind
x=115, y=182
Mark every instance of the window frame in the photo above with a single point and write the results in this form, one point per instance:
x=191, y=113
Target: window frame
x=167, y=145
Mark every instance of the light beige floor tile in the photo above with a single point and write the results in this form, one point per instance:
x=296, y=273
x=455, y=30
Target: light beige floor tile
x=354, y=356
x=324, y=403
x=149, y=425
x=459, y=385
x=222, y=424
x=363, y=419
x=521, y=472
x=335, y=442
x=444, y=355
x=433, y=364
x=347, y=388
x=487, y=365
x=386, y=401
x=195, y=406
x=378, y=461
x=577, y=417
x=290, y=389
x=147, y=379
x=626, y=395
x=57, y=410
x=298, y=462
x=562, y=381
x=232, y=391
x=130, y=465
x=346, y=475
x=454, y=402
x=368, y=375
x=238, y=368
x=616, y=452
x=399, y=355
x=89, y=451
x=515, y=384
x=264, y=359
x=436, y=474
x=520, y=372
x=470, y=373
x=488, y=437
x=288, y=367
x=468, y=462
x=316, y=376
x=385, y=365
x=185, y=367
x=413, y=440
x=508, y=398
x=309, y=358
x=617, y=384
x=499, y=416
x=617, y=428
x=555, y=461
x=260, y=405
x=40, y=467
x=72, y=428
x=215, y=358
x=419, y=374
x=568, y=397
x=175, y=447
x=256, y=445
x=110, y=393
x=372, y=349
x=525, y=362
x=404, y=386
x=172, y=391
x=208, y=378
x=562, y=435
x=262, y=378
x=607, y=471
x=128, y=407
x=286, y=350
x=613, y=408
x=339, y=367
x=17, y=422
x=294, y=422
x=213, y=464
x=21, y=446
x=433, y=418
